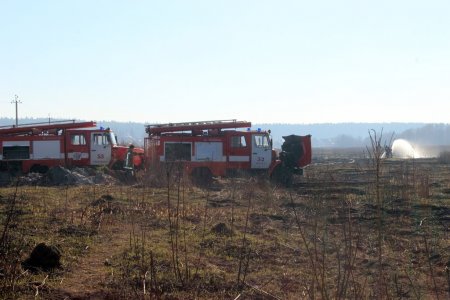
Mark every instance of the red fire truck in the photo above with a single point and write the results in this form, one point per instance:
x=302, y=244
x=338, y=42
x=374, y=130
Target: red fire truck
x=218, y=148
x=37, y=147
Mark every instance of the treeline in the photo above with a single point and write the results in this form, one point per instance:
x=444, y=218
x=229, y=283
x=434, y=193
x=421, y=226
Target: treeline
x=345, y=135
x=340, y=135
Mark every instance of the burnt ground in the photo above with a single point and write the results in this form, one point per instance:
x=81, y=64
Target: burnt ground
x=338, y=232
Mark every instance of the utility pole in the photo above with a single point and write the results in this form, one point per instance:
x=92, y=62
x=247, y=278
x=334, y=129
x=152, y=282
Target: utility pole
x=17, y=101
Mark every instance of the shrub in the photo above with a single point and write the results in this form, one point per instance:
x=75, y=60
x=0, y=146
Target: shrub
x=444, y=157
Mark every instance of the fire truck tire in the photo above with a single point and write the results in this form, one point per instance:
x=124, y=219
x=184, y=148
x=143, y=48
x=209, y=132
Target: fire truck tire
x=15, y=168
x=201, y=176
x=39, y=169
x=118, y=165
x=282, y=176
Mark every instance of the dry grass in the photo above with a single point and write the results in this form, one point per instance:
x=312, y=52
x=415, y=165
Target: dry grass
x=319, y=239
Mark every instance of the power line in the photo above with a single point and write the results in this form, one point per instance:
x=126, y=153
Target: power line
x=16, y=101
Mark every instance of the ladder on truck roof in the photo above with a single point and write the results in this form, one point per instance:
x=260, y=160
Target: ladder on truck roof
x=38, y=128
x=157, y=129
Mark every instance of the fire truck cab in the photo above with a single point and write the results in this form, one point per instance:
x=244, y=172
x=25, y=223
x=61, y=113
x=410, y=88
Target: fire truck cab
x=90, y=147
x=212, y=148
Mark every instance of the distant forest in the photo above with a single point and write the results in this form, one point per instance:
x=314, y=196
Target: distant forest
x=340, y=135
x=343, y=135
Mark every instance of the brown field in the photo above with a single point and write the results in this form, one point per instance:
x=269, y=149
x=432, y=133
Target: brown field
x=342, y=231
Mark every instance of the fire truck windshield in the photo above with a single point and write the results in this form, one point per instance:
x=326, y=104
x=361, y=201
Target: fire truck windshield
x=112, y=138
x=262, y=141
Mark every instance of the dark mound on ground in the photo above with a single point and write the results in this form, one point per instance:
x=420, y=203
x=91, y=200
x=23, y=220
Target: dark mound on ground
x=43, y=258
x=222, y=229
x=104, y=199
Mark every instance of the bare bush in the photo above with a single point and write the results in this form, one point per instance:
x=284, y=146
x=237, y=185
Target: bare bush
x=444, y=157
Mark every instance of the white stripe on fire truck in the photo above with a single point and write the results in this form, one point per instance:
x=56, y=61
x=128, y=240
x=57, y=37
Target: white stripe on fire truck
x=239, y=158
x=194, y=159
x=16, y=143
x=61, y=156
x=78, y=155
x=217, y=159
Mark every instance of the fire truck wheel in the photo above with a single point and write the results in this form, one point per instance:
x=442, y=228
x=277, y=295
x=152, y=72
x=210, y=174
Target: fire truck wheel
x=201, y=176
x=39, y=169
x=118, y=165
x=15, y=168
x=281, y=176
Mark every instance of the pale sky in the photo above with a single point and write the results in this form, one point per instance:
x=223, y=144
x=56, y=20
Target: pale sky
x=261, y=61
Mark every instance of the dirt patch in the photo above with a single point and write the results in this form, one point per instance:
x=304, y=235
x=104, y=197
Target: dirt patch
x=221, y=201
x=78, y=231
x=89, y=278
